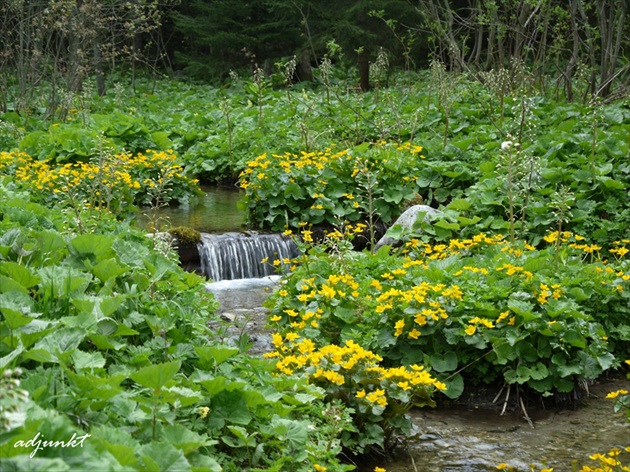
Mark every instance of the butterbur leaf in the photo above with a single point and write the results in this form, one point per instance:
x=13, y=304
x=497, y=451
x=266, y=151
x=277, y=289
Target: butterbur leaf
x=185, y=439
x=291, y=431
x=215, y=355
x=99, y=246
x=7, y=285
x=156, y=376
x=19, y=273
x=14, y=319
x=117, y=442
x=4, y=361
x=181, y=395
x=108, y=268
x=130, y=253
x=59, y=343
x=87, y=360
x=161, y=139
x=229, y=407
x=203, y=463
x=164, y=457
x=459, y=204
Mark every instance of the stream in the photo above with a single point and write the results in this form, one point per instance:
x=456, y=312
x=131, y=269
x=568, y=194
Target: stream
x=476, y=439
x=463, y=438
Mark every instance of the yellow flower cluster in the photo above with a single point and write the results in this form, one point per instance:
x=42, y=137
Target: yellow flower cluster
x=545, y=292
x=608, y=462
x=312, y=162
x=563, y=236
x=117, y=173
x=455, y=246
x=620, y=249
x=10, y=161
x=332, y=364
x=617, y=393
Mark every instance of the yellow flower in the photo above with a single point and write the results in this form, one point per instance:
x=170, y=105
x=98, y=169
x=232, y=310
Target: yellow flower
x=291, y=336
x=277, y=340
x=414, y=333
x=276, y=318
x=379, y=469
x=617, y=393
x=470, y=330
x=361, y=394
x=400, y=325
x=319, y=468
x=203, y=411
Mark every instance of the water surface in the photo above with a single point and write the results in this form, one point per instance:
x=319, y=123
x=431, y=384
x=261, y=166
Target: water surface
x=214, y=212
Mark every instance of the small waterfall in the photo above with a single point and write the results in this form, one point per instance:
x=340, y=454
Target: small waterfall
x=230, y=256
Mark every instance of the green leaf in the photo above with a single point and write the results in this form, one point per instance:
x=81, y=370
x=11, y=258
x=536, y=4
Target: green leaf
x=293, y=432
x=60, y=343
x=7, y=285
x=606, y=360
x=182, y=396
x=459, y=204
x=522, y=308
x=567, y=370
x=87, y=360
x=97, y=245
x=294, y=190
x=14, y=319
x=446, y=362
x=229, y=408
x=539, y=371
x=162, y=140
x=108, y=268
x=574, y=338
x=454, y=386
x=164, y=457
x=117, y=442
x=6, y=360
x=215, y=355
x=446, y=225
x=19, y=273
x=156, y=376
x=185, y=439
x=347, y=315
x=525, y=350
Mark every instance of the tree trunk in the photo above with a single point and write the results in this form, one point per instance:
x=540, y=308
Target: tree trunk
x=304, y=72
x=364, y=71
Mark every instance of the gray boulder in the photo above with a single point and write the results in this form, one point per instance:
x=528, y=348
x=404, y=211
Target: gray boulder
x=406, y=220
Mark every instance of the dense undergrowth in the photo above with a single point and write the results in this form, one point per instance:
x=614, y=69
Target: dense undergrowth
x=523, y=280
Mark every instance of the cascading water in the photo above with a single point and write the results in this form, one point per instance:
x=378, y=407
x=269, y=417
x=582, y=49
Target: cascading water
x=230, y=256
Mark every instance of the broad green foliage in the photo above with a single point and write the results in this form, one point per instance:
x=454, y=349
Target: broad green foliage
x=103, y=335
x=479, y=309
x=216, y=132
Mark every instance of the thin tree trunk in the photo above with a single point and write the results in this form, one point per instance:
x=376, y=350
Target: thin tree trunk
x=364, y=71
